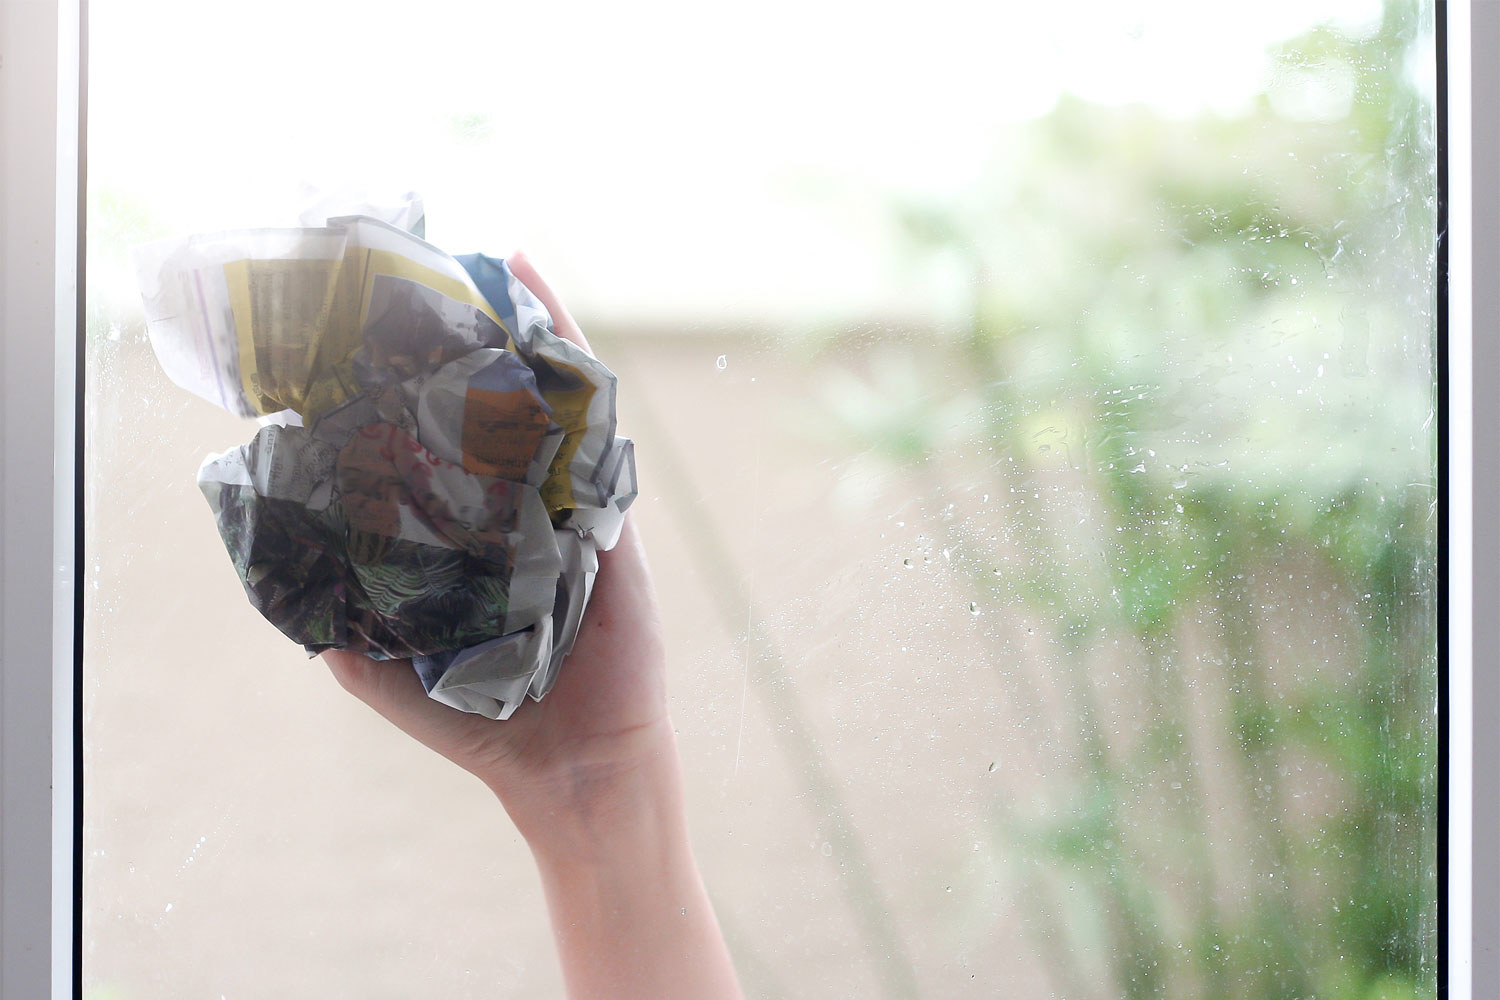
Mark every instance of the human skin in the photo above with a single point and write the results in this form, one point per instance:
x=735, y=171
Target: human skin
x=591, y=778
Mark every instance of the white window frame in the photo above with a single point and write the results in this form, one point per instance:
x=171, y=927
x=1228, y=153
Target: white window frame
x=1472, y=720
x=41, y=62
x=42, y=54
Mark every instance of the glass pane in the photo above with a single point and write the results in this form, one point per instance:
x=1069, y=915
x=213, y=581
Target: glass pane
x=1035, y=419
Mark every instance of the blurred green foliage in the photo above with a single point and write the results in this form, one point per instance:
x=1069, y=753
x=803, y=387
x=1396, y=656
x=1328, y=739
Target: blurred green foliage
x=1205, y=351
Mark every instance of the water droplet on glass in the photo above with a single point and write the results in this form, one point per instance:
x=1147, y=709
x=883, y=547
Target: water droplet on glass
x=973, y=608
x=906, y=563
x=722, y=362
x=827, y=849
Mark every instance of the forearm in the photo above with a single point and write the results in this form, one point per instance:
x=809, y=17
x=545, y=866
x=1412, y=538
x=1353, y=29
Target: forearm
x=628, y=909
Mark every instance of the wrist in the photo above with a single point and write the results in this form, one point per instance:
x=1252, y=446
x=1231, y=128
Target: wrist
x=591, y=804
x=627, y=905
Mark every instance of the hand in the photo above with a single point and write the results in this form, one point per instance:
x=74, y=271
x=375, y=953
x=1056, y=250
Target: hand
x=591, y=778
x=603, y=720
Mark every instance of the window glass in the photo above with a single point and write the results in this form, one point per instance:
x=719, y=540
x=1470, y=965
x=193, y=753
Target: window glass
x=1036, y=432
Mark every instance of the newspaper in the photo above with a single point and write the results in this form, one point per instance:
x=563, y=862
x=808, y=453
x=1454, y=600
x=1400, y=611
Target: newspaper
x=436, y=469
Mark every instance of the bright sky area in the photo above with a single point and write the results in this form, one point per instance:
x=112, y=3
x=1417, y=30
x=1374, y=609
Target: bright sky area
x=663, y=162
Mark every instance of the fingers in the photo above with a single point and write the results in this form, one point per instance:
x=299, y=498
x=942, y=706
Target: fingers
x=629, y=548
x=351, y=670
x=562, y=320
x=390, y=687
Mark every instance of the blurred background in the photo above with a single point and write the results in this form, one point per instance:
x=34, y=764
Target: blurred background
x=1035, y=411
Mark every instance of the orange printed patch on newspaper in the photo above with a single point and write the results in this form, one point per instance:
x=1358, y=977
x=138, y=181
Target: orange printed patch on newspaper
x=502, y=432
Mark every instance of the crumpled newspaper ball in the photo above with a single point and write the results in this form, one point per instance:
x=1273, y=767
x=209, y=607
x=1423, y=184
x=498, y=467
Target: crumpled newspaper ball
x=437, y=469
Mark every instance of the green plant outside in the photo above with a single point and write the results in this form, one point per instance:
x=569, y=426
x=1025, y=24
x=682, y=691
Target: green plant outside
x=1204, y=350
